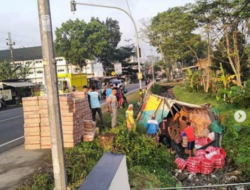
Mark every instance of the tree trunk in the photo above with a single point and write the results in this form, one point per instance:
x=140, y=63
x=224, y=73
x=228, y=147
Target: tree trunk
x=233, y=57
x=237, y=58
x=209, y=63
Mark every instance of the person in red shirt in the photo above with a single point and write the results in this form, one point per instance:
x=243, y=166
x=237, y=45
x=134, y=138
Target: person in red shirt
x=190, y=137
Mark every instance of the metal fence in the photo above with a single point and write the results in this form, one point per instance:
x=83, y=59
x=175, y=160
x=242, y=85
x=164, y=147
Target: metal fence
x=233, y=186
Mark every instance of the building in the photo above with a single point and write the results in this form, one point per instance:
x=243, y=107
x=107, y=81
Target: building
x=32, y=56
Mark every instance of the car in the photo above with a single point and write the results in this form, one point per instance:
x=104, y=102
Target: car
x=117, y=83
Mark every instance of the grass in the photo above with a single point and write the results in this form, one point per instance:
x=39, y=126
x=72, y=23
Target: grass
x=148, y=165
x=236, y=139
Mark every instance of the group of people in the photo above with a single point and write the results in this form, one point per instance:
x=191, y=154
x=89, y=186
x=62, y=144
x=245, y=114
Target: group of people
x=95, y=105
x=121, y=98
x=163, y=130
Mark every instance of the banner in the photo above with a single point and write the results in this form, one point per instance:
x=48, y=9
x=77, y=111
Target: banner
x=118, y=68
x=6, y=95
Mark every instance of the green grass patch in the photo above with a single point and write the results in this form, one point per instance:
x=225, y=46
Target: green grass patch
x=149, y=165
x=236, y=139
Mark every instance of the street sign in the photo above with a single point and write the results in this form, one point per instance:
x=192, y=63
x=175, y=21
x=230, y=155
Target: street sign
x=139, y=75
x=118, y=68
x=113, y=73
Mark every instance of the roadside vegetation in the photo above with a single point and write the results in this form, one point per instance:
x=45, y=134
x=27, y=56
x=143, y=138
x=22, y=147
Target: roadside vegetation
x=236, y=136
x=148, y=165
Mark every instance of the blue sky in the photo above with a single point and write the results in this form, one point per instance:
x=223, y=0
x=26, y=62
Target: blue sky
x=20, y=17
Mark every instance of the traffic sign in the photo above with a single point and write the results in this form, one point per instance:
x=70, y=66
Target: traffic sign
x=113, y=73
x=139, y=75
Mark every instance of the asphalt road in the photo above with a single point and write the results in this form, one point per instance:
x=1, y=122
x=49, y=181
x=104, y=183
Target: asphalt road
x=11, y=125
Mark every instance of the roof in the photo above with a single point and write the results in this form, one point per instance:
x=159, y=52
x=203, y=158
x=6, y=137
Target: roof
x=18, y=84
x=21, y=54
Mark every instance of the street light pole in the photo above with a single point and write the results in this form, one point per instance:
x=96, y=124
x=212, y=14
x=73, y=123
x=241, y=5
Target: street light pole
x=50, y=68
x=73, y=3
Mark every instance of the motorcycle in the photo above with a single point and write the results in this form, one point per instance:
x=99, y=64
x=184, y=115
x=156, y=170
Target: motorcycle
x=103, y=93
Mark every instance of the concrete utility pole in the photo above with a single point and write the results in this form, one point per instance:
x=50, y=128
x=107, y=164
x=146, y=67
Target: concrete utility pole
x=50, y=68
x=73, y=8
x=10, y=44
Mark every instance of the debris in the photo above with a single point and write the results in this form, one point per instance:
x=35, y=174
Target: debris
x=182, y=176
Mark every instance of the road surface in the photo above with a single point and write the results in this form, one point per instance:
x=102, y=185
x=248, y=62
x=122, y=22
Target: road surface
x=11, y=125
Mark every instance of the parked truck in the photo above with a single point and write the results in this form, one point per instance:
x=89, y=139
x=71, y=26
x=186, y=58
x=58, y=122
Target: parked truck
x=69, y=79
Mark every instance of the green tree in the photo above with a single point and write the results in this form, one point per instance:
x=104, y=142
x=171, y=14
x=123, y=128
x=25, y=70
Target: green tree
x=227, y=19
x=172, y=33
x=8, y=71
x=23, y=71
x=113, y=37
x=79, y=41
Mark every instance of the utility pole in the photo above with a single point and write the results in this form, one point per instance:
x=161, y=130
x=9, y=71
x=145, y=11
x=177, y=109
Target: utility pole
x=153, y=70
x=10, y=44
x=73, y=9
x=50, y=69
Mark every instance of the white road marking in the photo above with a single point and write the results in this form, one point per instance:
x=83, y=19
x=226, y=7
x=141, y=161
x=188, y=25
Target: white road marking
x=11, y=118
x=4, y=144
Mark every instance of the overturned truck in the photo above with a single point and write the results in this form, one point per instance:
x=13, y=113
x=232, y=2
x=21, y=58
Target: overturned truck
x=204, y=119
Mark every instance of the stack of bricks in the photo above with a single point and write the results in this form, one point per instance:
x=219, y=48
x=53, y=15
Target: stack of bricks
x=89, y=130
x=32, y=130
x=74, y=110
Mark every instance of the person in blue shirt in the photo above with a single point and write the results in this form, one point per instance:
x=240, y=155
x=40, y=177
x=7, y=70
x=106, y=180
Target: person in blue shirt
x=108, y=91
x=95, y=106
x=152, y=127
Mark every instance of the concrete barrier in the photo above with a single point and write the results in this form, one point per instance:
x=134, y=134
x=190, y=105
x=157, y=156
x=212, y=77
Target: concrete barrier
x=110, y=173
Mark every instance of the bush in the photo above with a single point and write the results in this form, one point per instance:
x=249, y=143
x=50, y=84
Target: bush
x=145, y=152
x=156, y=89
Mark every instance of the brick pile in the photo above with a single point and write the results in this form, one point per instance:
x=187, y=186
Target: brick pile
x=74, y=110
x=89, y=130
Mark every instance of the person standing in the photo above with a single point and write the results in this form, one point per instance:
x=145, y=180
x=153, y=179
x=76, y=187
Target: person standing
x=74, y=89
x=108, y=91
x=85, y=89
x=140, y=96
x=95, y=105
x=65, y=87
x=152, y=127
x=130, y=117
x=189, y=131
x=120, y=97
x=164, y=133
x=112, y=105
